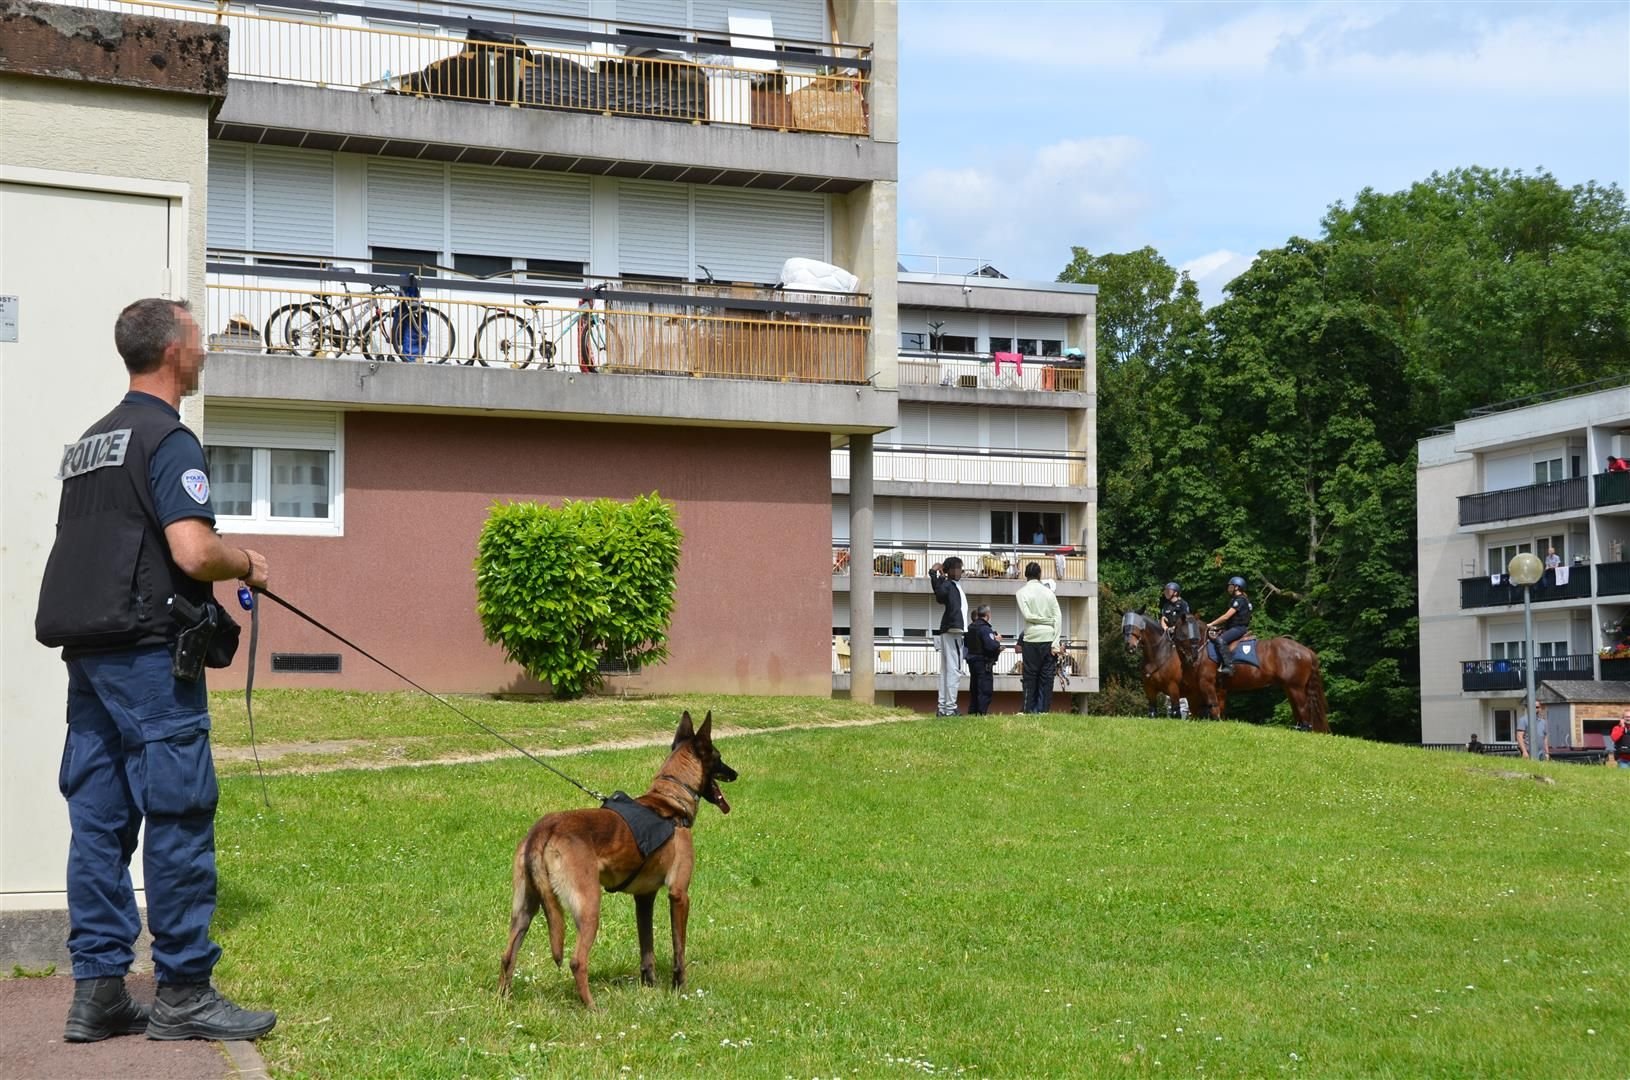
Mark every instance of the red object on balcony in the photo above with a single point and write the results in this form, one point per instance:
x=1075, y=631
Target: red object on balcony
x=1016, y=359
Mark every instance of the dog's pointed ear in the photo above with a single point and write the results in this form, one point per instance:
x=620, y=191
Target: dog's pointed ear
x=705, y=732
x=685, y=730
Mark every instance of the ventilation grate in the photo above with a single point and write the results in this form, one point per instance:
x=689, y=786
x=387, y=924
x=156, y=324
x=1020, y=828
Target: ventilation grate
x=319, y=663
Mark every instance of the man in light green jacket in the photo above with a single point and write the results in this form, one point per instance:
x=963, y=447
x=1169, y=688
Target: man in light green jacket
x=1039, y=642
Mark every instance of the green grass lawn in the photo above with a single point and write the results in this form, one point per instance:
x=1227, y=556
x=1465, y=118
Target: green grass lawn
x=1067, y=896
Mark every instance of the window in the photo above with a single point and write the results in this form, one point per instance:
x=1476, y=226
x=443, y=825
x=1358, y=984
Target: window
x=1543, y=544
x=913, y=340
x=1041, y=346
x=1001, y=527
x=1001, y=344
x=1500, y=556
x=1024, y=526
x=275, y=470
x=482, y=265
x=962, y=343
x=554, y=268
x=1502, y=725
x=389, y=260
x=1505, y=650
x=1551, y=656
x=1546, y=472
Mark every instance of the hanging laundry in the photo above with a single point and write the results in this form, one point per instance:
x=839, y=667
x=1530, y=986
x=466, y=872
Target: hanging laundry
x=1561, y=575
x=1016, y=359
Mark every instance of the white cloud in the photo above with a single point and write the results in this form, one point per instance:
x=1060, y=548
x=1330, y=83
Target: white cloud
x=1214, y=270
x=1552, y=49
x=1025, y=215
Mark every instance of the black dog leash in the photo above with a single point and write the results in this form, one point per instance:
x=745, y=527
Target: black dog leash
x=254, y=633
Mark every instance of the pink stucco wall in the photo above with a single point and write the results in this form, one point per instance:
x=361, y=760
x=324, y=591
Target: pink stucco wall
x=753, y=608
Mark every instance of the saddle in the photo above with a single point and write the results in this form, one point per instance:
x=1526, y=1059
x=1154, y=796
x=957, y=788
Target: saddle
x=1243, y=651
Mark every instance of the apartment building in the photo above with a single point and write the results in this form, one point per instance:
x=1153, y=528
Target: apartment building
x=993, y=460
x=1530, y=477
x=596, y=200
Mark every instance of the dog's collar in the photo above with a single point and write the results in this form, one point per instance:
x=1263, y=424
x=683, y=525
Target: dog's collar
x=684, y=820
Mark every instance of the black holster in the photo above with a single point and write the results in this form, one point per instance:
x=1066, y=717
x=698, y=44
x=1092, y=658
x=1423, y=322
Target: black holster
x=206, y=637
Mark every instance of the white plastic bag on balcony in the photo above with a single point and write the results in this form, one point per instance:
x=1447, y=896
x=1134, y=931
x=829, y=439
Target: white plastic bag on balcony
x=812, y=275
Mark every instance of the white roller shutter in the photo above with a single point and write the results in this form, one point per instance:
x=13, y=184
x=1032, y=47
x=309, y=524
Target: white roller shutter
x=840, y=609
x=520, y=214
x=656, y=12
x=803, y=19
x=228, y=195
x=746, y=235
x=653, y=229
x=956, y=523
x=913, y=429
x=1044, y=429
x=951, y=426
x=1042, y=328
x=1003, y=428
x=293, y=201
x=916, y=523
x=281, y=429
x=407, y=205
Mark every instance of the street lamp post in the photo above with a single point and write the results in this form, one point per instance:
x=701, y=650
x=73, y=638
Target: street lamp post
x=1525, y=569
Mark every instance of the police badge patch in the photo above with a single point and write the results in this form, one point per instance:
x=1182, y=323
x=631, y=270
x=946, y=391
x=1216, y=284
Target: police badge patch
x=196, y=485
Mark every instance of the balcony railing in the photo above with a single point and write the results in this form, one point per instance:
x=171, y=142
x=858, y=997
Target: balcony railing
x=913, y=560
x=1487, y=592
x=920, y=656
x=1513, y=674
x=1523, y=502
x=975, y=371
x=1616, y=669
x=617, y=328
x=900, y=463
x=1612, y=488
x=1613, y=579
x=483, y=54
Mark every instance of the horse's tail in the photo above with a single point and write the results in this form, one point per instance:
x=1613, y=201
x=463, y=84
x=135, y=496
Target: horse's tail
x=1320, y=718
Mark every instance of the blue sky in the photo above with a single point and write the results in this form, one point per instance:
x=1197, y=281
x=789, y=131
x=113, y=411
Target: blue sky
x=1213, y=130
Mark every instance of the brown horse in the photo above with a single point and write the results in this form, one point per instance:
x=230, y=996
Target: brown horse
x=1162, y=670
x=1280, y=661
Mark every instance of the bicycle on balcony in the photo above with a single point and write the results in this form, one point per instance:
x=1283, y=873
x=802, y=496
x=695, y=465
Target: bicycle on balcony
x=506, y=338
x=387, y=323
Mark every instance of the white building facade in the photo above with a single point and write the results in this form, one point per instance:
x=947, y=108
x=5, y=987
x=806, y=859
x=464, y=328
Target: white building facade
x=1530, y=478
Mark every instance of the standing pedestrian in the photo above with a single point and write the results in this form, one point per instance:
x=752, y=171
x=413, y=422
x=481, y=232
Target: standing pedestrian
x=984, y=645
x=1039, y=641
x=127, y=594
x=946, y=578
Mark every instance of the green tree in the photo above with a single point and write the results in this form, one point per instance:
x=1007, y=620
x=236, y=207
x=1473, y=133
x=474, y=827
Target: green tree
x=559, y=589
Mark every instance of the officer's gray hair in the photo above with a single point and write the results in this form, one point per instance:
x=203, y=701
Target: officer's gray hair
x=982, y=611
x=145, y=329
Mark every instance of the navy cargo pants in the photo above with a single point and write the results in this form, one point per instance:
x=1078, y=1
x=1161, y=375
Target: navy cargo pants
x=138, y=748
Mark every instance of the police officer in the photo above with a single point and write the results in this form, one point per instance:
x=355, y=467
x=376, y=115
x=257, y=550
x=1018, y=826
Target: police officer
x=1174, y=610
x=135, y=545
x=1238, y=618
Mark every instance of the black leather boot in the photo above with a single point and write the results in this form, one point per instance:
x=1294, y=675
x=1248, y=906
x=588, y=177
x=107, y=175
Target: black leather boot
x=103, y=1007
x=198, y=1011
x=1225, y=658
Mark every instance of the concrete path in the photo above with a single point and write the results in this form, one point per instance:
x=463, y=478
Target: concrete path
x=32, y=1012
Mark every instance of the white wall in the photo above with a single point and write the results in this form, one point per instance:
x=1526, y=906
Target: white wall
x=92, y=178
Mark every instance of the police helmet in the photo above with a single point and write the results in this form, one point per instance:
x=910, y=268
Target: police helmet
x=1237, y=581
x=1173, y=586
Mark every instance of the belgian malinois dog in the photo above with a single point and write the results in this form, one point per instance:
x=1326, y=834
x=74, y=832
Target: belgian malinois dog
x=569, y=857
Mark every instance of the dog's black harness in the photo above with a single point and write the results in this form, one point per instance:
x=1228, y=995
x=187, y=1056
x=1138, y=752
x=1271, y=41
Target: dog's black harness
x=651, y=830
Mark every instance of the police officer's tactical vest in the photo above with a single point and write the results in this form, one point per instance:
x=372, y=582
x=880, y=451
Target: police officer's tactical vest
x=110, y=576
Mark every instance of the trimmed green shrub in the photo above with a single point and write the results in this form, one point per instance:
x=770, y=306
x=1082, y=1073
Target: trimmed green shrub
x=561, y=588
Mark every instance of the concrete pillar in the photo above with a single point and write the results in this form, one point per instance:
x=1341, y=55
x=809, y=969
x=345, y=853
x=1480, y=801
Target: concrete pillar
x=862, y=651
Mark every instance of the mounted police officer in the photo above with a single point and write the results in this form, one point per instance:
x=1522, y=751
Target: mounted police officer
x=1238, y=618
x=127, y=595
x=1173, y=608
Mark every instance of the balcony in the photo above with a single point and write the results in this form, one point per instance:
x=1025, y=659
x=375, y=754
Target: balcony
x=1616, y=669
x=980, y=371
x=903, y=567
x=1613, y=579
x=913, y=663
x=1522, y=502
x=1484, y=675
x=532, y=61
x=942, y=470
x=1612, y=489
x=615, y=327
x=1476, y=592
